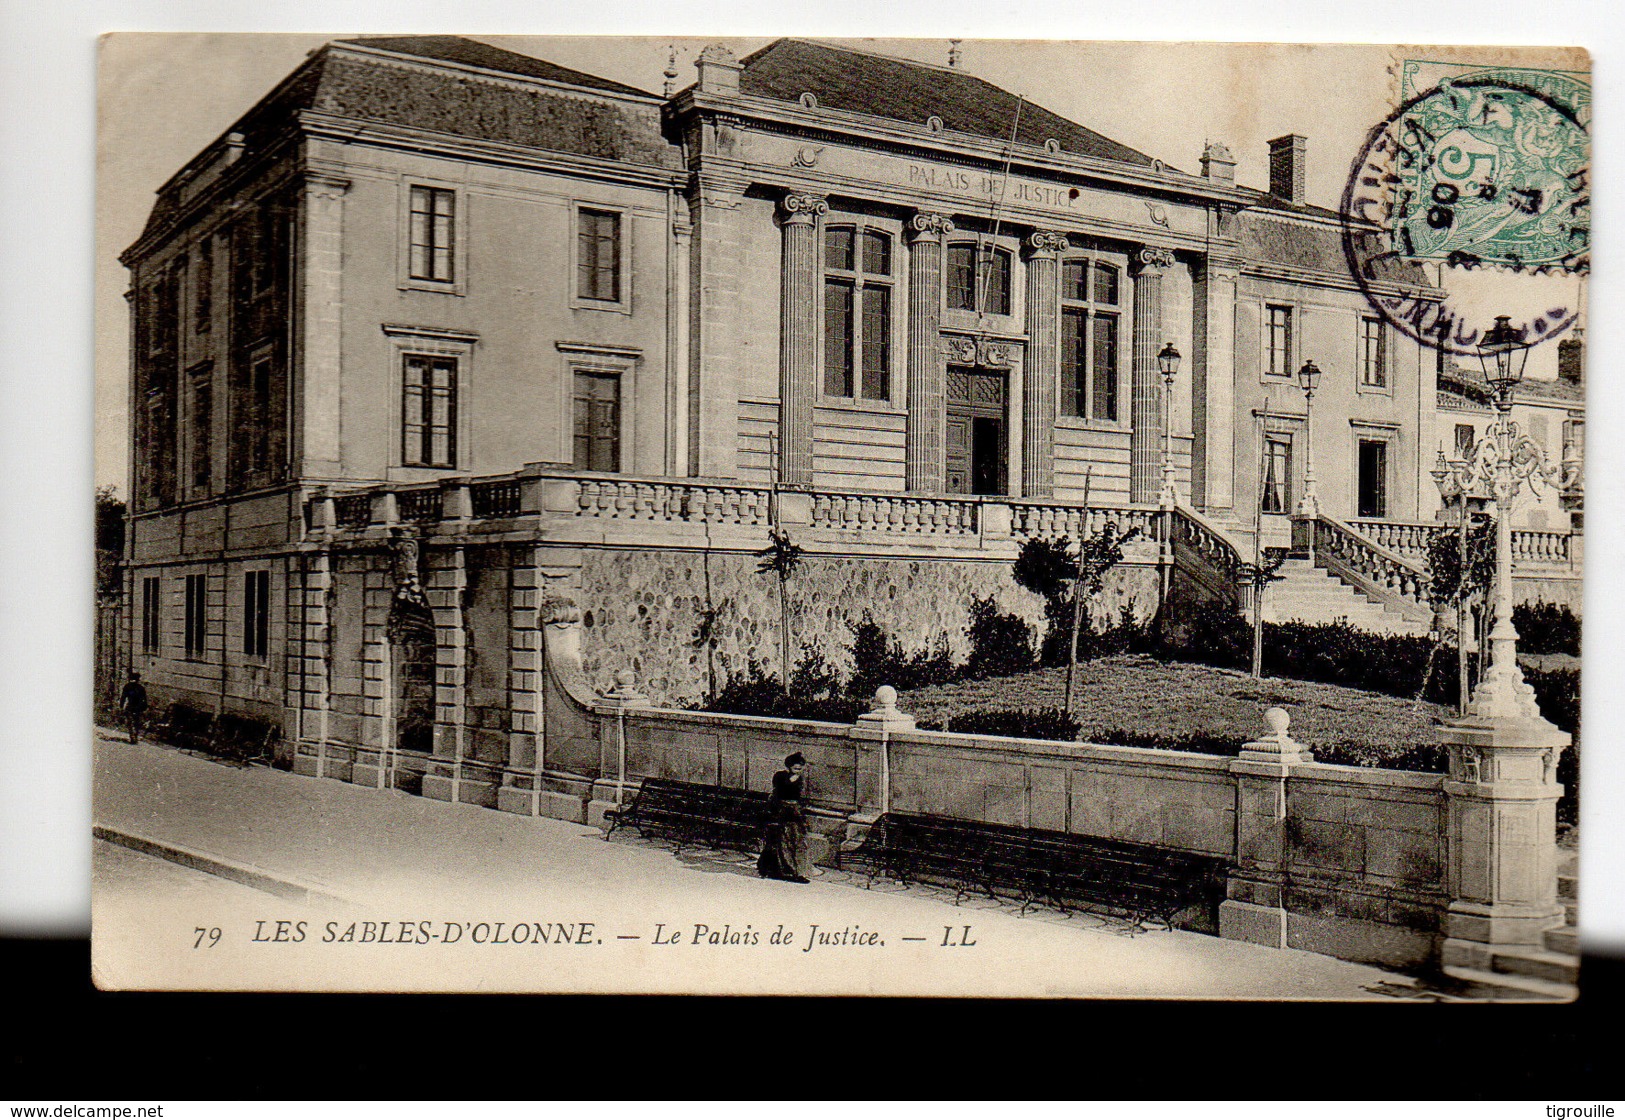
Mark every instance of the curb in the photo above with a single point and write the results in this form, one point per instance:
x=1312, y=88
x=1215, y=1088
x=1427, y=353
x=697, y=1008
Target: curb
x=245, y=874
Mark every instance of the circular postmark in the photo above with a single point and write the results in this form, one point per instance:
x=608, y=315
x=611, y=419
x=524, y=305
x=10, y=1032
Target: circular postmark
x=1471, y=200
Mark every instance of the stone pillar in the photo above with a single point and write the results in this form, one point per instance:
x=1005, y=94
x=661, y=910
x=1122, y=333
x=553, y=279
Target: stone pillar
x=1145, y=441
x=446, y=586
x=1213, y=387
x=872, y=740
x=320, y=296
x=1254, y=908
x=1501, y=798
x=715, y=266
x=1041, y=370
x=609, y=791
x=310, y=633
x=927, y=376
x=800, y=317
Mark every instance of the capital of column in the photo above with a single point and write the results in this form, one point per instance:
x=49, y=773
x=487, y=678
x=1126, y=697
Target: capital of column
x=324, y=186
x=1154, y=258
x=803, y=209
x=1046, y=242
x=925, y=226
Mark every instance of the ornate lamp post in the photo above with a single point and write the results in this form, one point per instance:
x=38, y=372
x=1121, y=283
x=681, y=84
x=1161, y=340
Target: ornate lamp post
x=1168, y=363
x=1501, y=792
x=1308, y=377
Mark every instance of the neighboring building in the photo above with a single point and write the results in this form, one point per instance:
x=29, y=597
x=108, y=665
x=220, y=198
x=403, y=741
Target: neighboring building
x=820, y=289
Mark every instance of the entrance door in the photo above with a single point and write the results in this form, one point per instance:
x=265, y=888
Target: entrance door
x=978, y=445
x=1373, y=478
x=414, y=677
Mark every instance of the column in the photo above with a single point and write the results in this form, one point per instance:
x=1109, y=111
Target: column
x=1213, y=387
x=798, y=335
x=1145, y=442
x=310, y=620
x=321, y=299
x=1041, y=370
x=446, y=584
x=927, y=407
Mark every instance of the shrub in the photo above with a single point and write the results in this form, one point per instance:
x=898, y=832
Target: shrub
x=1127, y=635
x=1546, y=628
x=1001, y=644
x=756, y=692
x=1557, y=692
x=1424, y=757
x=1018, y=723
x=877, y=659
x=1198, y=743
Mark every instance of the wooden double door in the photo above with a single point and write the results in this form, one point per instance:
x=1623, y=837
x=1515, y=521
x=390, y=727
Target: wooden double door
x=978, y=433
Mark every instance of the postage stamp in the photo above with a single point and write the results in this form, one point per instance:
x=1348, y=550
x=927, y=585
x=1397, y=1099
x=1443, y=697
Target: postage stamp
x=1479, y=168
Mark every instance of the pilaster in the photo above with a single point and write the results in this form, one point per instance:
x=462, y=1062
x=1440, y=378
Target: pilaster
x=447, y=584
x=309, y=598
x=927, y=374
x=320, y=295
x=1145, y=441
x=1213, y=386
x=1041, y=370
x=798, y=335
x=715, y=268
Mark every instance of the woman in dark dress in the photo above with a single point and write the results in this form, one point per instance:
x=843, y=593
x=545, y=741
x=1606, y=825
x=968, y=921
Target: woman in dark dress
x=784, y=856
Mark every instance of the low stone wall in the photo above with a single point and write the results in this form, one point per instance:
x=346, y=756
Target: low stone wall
x=648, y=607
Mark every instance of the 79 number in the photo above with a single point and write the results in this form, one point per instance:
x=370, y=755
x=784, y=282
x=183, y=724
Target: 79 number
x=211, y=935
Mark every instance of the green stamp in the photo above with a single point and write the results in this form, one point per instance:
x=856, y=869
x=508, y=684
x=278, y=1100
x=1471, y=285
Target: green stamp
x=1492, y=167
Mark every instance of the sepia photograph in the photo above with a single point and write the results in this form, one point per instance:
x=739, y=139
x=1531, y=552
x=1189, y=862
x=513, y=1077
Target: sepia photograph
x=851, y=517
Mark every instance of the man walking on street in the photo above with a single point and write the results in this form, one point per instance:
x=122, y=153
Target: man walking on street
x=132, y=701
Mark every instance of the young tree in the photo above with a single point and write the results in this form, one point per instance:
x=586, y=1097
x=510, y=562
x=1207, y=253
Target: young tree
x=1469, y=595
x=109, y=537
x=781, y=557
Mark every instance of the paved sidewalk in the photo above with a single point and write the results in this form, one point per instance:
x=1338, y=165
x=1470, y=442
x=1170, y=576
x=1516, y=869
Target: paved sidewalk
x=458, y=885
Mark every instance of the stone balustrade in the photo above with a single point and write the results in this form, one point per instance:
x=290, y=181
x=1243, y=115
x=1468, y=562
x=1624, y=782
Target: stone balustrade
x=896, y=513
x=1410, y=539
x=1057, y=519
x=639, y=499
x=1379, y=572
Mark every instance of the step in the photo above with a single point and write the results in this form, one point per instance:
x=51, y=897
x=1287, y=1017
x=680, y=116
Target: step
x=1568, y=887
x=1499, y=985
x=1537, y=964
x=1564, y=939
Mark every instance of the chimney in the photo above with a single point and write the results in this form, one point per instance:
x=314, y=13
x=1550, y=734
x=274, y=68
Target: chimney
x=1571, y=358
x=1287, y=168
x=719, y=71
x=954, y=53
x=1218, y=164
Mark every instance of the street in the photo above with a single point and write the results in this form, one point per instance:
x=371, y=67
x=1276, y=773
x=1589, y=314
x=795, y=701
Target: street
x=343, y=888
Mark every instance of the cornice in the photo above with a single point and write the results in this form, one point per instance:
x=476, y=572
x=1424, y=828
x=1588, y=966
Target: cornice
x=1264, y=270
x=979, y=149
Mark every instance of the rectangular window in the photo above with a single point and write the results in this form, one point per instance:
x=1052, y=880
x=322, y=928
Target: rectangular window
x=597, y=421
x=1279, y=341
x=1373, y=354
x=256, y=612
x=1089, y=339
x=433, y=234
x=200, y=430
x=876, y=343
x=1277, y=496
x=203, y=297
x=151, y=615
x=429, y=411
x=1465, y=439
x=1105, y=367
x=1373, y=482
x=265, y=238
x=598, y=255
x=196, y=614
x=838, y=338
x=962, y=276
x=257, y=415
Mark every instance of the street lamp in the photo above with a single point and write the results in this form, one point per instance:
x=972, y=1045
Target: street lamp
x=1501, y=463
x=1168, y=363
x=1308, y=376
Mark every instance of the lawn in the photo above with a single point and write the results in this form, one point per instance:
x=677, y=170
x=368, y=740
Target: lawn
x=1140, y=694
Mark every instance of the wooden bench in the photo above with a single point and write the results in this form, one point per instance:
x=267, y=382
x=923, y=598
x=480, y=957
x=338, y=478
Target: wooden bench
x=687, y=814
x=1030, y=866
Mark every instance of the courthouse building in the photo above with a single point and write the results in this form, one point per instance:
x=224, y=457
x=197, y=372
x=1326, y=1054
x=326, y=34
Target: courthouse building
x=439, y=341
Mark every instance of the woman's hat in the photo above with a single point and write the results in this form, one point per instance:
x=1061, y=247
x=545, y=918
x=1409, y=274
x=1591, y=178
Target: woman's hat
x=797, y=759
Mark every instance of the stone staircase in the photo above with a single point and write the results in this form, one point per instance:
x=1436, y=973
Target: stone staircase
x=1309, y=594
x=1549, y=971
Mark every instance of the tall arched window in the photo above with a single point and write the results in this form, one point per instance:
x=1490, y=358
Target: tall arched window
x=1091, y=337
x=858, y=267
x=978, y=284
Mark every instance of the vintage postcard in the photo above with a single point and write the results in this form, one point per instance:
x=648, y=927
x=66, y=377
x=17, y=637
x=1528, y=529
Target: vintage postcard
x=907, y=517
